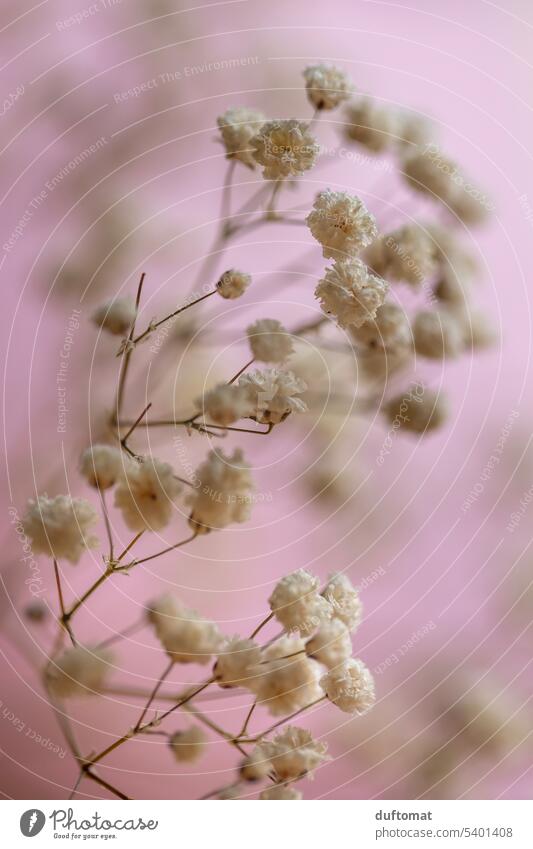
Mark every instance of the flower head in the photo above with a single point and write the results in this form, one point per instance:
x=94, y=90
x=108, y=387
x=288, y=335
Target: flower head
x=225, y=404
x=388, y=330
x=327, y=86
x=372, y=126
x=235, y=662
x=269, y=341
x=183, y=633
x=255, y=767
x=238, y=127
x=331, y=644
x=341, y=223
x=59, y=526
x=344, y=600
x=79, y=671
x=280, y=793
x=293, y=753
x=273, y=393
x=351, y=293
x=102, y=465
x=418, y=410
x=187, y=745
x=297, y=604
x=350, y=686
x=287, y=680
x=409, y=254
x=233, y=284
x=284, y=149
x=116, y=316
x=437, y=334
x=224, y=492
x=146, y=493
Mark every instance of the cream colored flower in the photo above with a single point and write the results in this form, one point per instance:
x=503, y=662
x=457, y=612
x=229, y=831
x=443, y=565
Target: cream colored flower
x=297, y=604
x=284, y=149
x=146, y=495
x=430, y=173
x=437, y=334
x=59, y=526
x=233, y=284
x=388, y=330
x=477, y=329
x=410, y=254
x=418, y=410
x=224, y=492
x=116, y=316
x=235, y=662
x=279, y=793
x=79, y=671
x=238, y=127
x=351, y=293
x=102, y=465
x=350, y=686
x=183, y=633
x=269, y=341
x=372, y=126
x=273, y=393
x=188, y=745
x=255, y=767
x=285, y=684
x=293, y=753
x=327, y=86
x=341, y=223
x=225, y=404
x=344, y=599
x=331, y=644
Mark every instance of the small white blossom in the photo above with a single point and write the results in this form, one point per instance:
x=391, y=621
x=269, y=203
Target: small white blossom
x=284, y=149
x=350, y=686
x=279, y=793
x=188, y=745
x=233, y=284
x=297, y=604
x=255, y=767
x=388, y=330
x=344, y=599
x=235, y=663
x=116, y=316
x=269, y=341
x=285, y=684
x=437, y=334
x=409, y=254
x=419, y=411
x=224, y=492
x=238, y=127
x=371, y=125
x=331, y=644
x=273, y=393
x=79, y=671
x=351, y=293
x=146, y=493
x=102, y=465
x=183, y=633
x=341, y=223
x=59, y=526
x=225, y=404
x=327, y=86
x=293, y=753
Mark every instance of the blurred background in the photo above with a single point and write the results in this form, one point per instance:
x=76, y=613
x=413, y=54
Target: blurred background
x=111, y=166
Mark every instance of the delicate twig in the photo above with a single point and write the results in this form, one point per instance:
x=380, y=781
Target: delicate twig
x=177, y=312
x=129, y=546
x=127, y=351
x=105, y=514
x=284, y=720
x=249, y=715
x=63, y=619
x=122, y=634
x=153, y=694
x=241, y=371
x=261, y=625
x=106, y=784
x=124, y=440
x=159, y=553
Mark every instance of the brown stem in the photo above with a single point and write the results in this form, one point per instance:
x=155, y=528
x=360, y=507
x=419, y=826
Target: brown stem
x=249, y=715
x=129, y=546
x=105, y=514
x=153, y=694
x=285, y=719
x=121, y=635
x=127, y=356
x=261, y=625
x=106, y=784
x=63, y=619
x=137, y=421
x=70, y=613
x=159, y=553
x=153, y=327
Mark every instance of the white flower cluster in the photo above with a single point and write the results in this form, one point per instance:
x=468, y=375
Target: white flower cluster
x=233, y=283
x=287, y=680
x=238, y=127
x=273, y=393
x=116, y=316
x=223, y=494
x=79, y=671
x=417, y=411
x=146, y=494
x=297, y=604
x=225, y=404
x=269, y=341
x=341, y=223
x=236, y=663
x=292, y=754
x=102, y=465
x=406, y=254
x=350, y=686
x=375, y=127
x=284, y=149
x=389, y=330
x=183, y=633
x=430, y=172
x=351, y=293
x=60, y=526
x=187, y=745
x=327, y=86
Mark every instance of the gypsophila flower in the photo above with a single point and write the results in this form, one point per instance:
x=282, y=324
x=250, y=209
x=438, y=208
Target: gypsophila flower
x=327, y=86
x=224, y=492
x=351, y=293
x=478, y=332
x=413, y=130
x=374, y=127
x=344, y=600
x=255, y=767
x=284, y=683
x=279, y=793
x=235, y=662
x=102, y=465
x=297, y=604
x=225, y=404
x=238, y=127
x=188, y=745
x=284, y=149
x=233, y=284
x=437, y=334
x=409, y=254
x=273, y=393
x=269, y=341
x=59, y=526
x=388, y=330
x=430, y=173
x=418, y=410
x=183, y=633
x=146, y=494
x=341, y=223
x=331, y=644
x=116, y=316
x=293, y=753
x=79, y=671
x=350, y=687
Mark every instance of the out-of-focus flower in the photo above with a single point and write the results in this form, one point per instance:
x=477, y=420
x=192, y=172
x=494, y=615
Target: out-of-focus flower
x=327, y=86
x=225, y=404
x=437, y=334
x=238, y=127
x=102, y=465
x=341, y=223
x=235, y=662
x=388, y=330
x=256, y=766
x=233, y=284
x=185, y=635
x=331, y=644
x=146, y=494
x=284, y=149
x=116, y=316
x=409, y=254
x=269, y=341
x=374, y=127
x=187, y=745
x=79, y=671
x=224, y=492
x=293, y=753
x=59, y=526
x=351, y=293
x=418, y=410
x=279, y=793
x=350, y=687
x=297, y=604
x=273, y=393
x=286, y=683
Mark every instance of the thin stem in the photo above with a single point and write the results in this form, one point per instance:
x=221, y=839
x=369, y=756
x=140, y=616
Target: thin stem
x=63, y=620
x=241, y=429
x=225, y=205
x=103, y=577
x=157, y=324
x=106, y=784
x=153, y=694
x=270, y=211
x=129, y=546
x=261, y=625
x=137, y=421
x=105, y=514
x=132, y=629
x=286, y=656
x=285, y=719
x=159, y=553
x=76, y=785
x=249, y=715
x=127, y=356
x=241, y=371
